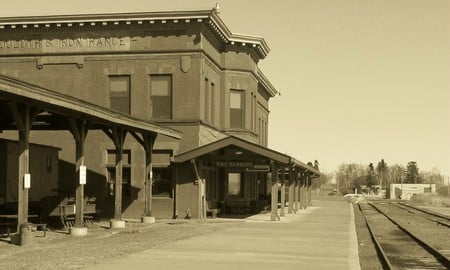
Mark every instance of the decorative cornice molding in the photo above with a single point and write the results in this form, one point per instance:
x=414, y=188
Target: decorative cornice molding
x=265, y=83
x=210, y=18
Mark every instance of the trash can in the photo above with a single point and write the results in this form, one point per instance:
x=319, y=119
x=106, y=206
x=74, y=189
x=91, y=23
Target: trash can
x=27, y=236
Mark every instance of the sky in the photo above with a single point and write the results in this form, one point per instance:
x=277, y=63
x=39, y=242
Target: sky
x=359, y=80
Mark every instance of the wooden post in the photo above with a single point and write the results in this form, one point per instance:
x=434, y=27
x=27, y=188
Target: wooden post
x=79, y=129
x=296, y=192
x=301, y=191
x=304, y=190
x=149, y=141
x=118, y=135
x=274, y=202
x=24, y=117
x=283, y=191
x=308, y=190
x=291, y=191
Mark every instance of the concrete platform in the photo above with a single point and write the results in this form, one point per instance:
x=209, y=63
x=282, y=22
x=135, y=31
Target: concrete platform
x=320, y=237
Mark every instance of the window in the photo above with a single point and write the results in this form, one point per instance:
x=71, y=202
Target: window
x=207, y=104
x=119, y=93
x=236, y=109
x=161, y=96
x=126, y=169
x=126, y=179
x=162, y=182
x=213, y=104
x=234, y=184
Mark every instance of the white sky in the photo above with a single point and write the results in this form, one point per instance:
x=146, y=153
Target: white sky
x=360, y=80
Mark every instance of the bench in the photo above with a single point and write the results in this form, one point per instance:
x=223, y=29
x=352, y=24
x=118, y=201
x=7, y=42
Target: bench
x=66, y=211
x=237, y=205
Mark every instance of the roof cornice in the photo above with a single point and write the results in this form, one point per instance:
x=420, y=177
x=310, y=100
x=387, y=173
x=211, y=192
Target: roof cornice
x=208, y=17
x=262, y=79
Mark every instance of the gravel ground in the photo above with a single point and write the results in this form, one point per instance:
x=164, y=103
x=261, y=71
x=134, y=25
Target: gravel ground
x=58, y=250
x=368, y=257
x=427, y=230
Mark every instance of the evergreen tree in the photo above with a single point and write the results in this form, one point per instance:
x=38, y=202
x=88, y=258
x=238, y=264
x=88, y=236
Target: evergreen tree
x=370, y=177
x=382, y=171
x=412, y=173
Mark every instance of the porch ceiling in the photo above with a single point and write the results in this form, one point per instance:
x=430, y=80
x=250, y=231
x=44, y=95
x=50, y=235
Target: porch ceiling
x=55, y=108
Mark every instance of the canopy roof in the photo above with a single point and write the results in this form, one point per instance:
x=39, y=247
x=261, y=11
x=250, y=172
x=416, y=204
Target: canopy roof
x=55, y=107
x=245, y=145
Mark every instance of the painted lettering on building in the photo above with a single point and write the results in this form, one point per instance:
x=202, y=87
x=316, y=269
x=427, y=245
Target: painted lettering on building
x=234, y=164
x=66, y=44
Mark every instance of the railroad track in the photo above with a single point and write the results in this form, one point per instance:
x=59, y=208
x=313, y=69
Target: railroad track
x=430, y=215
x=397, y=246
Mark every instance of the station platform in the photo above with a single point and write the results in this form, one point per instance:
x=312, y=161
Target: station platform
x=320, y=237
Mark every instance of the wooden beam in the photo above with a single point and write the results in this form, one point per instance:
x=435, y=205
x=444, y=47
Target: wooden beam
x=291, y=191
x=79, y=129
x=302, y=190
x=148, y=142
x=283, y=191
x=24, y=116
x=274, y=203
x=117, y=135
x=296, y=192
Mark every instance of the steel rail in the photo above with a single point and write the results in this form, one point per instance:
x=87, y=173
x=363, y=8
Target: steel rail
x=433, y=219
x=384, y=259
x=436, y=253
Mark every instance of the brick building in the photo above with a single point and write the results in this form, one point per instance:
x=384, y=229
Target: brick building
x=168, y=111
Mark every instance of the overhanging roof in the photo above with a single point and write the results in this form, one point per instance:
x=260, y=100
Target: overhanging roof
x=229, y=141
x=297, y=163
x=55, y=102
x=251, y=147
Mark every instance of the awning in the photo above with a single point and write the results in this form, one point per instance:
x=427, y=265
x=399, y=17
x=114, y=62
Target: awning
x=55, y=106
x=247, y=146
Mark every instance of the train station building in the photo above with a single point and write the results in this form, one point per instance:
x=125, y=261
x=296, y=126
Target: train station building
x=161, y=114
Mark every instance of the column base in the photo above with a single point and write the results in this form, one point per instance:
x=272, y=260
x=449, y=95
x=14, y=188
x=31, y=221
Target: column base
x=148, y=220
x=75, y=231
x=116, y=224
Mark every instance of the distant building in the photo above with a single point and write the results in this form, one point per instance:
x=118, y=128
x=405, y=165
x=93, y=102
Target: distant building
x=110, y=84
x=406, y=191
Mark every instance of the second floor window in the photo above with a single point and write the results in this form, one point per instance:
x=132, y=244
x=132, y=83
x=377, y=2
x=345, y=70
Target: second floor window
x=236, y=109
x=161, y=96
x=119, y=93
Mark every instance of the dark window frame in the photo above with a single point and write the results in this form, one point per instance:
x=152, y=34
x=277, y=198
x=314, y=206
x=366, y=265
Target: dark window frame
x=157, y=111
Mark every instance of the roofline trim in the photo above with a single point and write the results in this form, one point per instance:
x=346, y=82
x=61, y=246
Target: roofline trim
x=210, y=17
x=268, y=86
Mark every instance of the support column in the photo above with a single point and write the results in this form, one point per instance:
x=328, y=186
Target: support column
x=24, y=117
x=118, y=137
x=305, y=190
x=283, y=191
x=296, y=192
x=79, y=129
x=302, y=191
x=147, y=141
x=308, y=190
x=274, y=200
x=291, y=191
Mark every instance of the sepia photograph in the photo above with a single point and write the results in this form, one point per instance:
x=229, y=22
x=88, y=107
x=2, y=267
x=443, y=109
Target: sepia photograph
x=225, y=134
